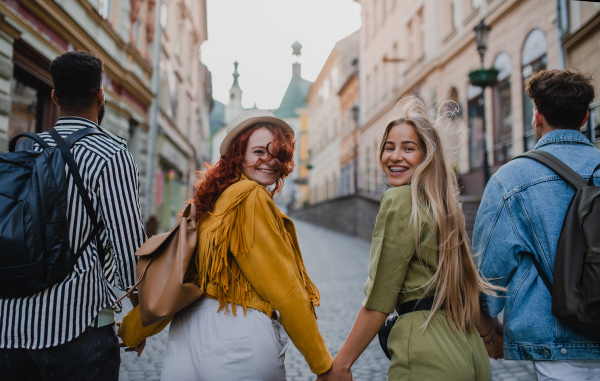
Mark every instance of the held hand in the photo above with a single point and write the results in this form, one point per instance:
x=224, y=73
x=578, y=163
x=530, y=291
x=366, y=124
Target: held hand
x=495, y=349
x=323, y=376
x=498, y=326
x=139, y=349
x=494, y=342
x=338, y=374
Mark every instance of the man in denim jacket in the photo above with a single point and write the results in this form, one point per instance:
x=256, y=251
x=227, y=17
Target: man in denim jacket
x=521, y=214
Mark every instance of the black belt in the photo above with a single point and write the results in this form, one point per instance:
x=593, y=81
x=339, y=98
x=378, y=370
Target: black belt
x=416, y=305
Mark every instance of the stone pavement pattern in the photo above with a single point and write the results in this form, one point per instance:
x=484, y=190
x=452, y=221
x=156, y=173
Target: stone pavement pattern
x=338, y=264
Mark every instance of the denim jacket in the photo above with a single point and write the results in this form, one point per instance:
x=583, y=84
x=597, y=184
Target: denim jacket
x=521, y=214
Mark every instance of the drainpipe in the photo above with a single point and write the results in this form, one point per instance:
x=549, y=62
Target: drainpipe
x=562, y=21
x=153, y=117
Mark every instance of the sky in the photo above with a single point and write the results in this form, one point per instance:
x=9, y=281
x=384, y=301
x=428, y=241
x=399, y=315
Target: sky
x=259, y=34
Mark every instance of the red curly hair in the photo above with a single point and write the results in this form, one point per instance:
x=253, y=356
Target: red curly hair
x=229, y=167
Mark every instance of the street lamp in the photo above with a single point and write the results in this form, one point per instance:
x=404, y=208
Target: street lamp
x=483, y=78
x=482, y=32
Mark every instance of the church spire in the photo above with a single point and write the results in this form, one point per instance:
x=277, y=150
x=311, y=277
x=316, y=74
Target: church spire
x=234, y=106
x=235, y=75
x=296, y=66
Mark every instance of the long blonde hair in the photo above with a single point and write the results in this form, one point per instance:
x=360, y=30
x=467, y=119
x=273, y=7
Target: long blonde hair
x=457, y=281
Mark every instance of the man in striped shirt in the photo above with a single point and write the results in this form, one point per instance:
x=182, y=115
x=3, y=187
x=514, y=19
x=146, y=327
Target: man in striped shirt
x=67, y=331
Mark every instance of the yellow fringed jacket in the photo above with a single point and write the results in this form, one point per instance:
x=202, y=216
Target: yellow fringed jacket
x=248, y=255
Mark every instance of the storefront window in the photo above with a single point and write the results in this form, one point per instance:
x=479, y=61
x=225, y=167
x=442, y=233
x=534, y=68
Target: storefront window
x=32, y=109
x=23, y=111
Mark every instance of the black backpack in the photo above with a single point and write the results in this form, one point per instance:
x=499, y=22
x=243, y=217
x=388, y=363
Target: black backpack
x=576, y=288
x=34, y=229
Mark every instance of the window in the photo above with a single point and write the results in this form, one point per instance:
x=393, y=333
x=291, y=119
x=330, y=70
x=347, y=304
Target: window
x=452, y=15
x=475, y=107
x=325, y=89
x=132, y=138
x=533, y=59
x=411, y=41
x=32, y=109
x=375, y=16
x=368, y=172
x=104, y=8
x=377, y=91
x=173, y=85
x=421, y=30
x=368, y=94
x=334, y=78
x=164, y=15
x=503, y=147
x=395, y=68
x=592, y=128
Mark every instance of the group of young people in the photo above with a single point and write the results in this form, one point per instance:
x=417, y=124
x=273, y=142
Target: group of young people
x=258, y=295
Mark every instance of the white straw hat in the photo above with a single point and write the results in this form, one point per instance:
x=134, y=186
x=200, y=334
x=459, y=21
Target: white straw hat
x=247, y=119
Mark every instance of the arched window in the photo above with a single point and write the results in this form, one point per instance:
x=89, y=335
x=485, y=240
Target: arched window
x=503, y=142
x=533, y=59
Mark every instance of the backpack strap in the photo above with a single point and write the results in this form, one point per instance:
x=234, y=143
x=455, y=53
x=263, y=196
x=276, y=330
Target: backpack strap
x=68, y=158
x=36, y=137
x=570, y=176
x=80, y=134
x=591, y=180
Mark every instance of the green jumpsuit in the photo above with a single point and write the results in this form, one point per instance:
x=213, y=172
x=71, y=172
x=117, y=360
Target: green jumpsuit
x=396, y=275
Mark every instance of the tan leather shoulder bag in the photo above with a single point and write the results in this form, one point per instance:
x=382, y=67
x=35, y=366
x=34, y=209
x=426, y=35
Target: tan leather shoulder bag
x=163, y=263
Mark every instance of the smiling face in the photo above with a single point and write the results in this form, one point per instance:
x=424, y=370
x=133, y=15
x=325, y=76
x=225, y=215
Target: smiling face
x=402, y=153
x=259, y=165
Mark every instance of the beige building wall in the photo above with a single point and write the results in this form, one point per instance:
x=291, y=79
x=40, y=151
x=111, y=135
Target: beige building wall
x=34, y=32
x=581, y=44
x=302, y=197
x=323, y=132
x=349, y=110
x=427, y=49
x=184, y=95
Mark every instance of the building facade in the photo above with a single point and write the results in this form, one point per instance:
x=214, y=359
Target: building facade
x=181, y=141
x=427, y=49
x=120, y=32
x=157, y=91
x=290, y=109
x=327, y=119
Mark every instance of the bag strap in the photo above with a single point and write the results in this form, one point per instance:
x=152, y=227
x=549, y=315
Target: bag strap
x=79, y=134
x=591, y=180
x=61, y=144
x=187, y=212
x=13, y=142
x=570, y=176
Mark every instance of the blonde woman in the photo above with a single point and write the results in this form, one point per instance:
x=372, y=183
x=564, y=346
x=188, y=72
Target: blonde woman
x=421, y=265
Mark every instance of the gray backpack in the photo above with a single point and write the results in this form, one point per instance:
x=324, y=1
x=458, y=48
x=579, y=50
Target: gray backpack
x=576, y=288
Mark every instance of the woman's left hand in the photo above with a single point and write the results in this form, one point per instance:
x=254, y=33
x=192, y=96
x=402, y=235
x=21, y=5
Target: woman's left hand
x=336, y=374
x=495, y=347
x=140, y=347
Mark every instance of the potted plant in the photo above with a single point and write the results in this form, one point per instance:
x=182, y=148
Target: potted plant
x=484, y=77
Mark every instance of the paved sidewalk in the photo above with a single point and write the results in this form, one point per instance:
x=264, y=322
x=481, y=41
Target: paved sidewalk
x=338, y=264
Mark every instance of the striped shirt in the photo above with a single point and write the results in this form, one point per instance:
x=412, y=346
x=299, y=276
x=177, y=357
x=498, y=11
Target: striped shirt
x=61, y=312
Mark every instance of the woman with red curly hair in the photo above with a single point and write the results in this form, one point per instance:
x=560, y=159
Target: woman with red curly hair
x=248, y=265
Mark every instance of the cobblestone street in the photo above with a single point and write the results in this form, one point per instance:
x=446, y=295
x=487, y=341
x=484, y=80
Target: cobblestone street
x=338, y=264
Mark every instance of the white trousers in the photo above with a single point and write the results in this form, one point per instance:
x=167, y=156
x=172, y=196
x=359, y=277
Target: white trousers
x=567, y=370
x=211, y=346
